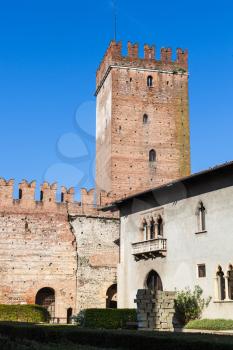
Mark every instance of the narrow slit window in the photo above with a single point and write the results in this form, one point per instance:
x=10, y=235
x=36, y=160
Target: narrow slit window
x=145, y=119
x=152, y=155
x=149, y=81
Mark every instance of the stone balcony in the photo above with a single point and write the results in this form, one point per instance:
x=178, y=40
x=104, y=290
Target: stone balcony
x=150, y=249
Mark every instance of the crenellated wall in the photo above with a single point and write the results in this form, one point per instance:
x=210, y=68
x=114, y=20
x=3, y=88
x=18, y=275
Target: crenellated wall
x=88, y=205
x=114, y=57
x=42, y=247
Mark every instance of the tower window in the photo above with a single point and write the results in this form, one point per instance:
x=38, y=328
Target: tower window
x=145, y=119
x=149, y=81
x=152, y=155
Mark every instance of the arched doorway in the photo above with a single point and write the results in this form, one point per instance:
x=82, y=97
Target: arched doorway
x=46, y=298
x=111, y=297
x=153, y=281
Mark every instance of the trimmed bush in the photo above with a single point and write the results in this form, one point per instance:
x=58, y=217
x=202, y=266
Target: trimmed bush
x=108, y=318
x=130, y=340
x=190, y=304
x=212, y=325
x=23, y=313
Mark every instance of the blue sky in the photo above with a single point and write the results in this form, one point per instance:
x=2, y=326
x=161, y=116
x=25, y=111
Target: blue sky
x=49, y=52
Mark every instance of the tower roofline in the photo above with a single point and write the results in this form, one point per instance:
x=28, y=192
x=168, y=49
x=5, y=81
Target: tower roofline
x=114, y=58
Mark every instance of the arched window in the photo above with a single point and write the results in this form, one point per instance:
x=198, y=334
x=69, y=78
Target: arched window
x=46, y=298
x=221, y=284
x=152, y=155
x=152, y=228
x=144, y=229
x=149, y=81
x=153, y=281
x=111, y=297
x=160, y=225
x=201, y=213
x=145, y=119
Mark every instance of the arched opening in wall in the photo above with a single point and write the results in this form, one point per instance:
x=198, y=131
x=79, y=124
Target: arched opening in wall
x=149, y=81
x=46, y=298
x=152, y=228
x=69, y=315
x=152, y=155
x=153, y=281
x=145, y=119
x=160, y=225
x=111, y=297
x=221, y=284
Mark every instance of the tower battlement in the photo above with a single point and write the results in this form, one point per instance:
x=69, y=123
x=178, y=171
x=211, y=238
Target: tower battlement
x=48, y=203
x=114, y=57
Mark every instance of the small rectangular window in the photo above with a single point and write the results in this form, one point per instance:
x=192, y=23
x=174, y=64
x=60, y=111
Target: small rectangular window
x=201, y=270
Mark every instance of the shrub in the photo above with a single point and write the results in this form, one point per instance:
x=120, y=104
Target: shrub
x=212, y=325
x=189, y=305
x=130, y=340
x=23, y=313
x=108, y=318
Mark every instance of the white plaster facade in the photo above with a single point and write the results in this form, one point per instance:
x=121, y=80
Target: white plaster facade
x=186, y=246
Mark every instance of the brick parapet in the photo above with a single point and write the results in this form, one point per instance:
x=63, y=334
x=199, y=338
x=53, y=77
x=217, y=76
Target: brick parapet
x=114, y=57
x=48, y=204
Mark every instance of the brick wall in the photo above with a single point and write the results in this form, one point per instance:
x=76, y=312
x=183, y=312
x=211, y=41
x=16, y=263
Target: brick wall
x=40, y=248
x=122, y=89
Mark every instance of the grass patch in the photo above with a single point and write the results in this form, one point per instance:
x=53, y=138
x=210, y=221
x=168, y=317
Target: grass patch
x=71, y=337
x=212, y=325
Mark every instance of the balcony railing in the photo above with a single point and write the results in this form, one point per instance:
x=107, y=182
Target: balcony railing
x=150, y=249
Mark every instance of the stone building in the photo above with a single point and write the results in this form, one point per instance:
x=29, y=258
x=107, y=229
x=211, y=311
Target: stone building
x=180, y=235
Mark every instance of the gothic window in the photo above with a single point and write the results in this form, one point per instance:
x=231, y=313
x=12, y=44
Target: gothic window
x=152, y=228
x=145, y=229
x=152, y=155
x=145, y=119
x=221, y=284
x=149, y=81
x=201, y=214
x=153, y=281
x=160, y=225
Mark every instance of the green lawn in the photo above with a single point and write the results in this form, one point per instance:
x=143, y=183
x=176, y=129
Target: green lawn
x=212, y=325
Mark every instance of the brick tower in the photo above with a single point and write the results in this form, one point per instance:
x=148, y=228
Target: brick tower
x=142, y=134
